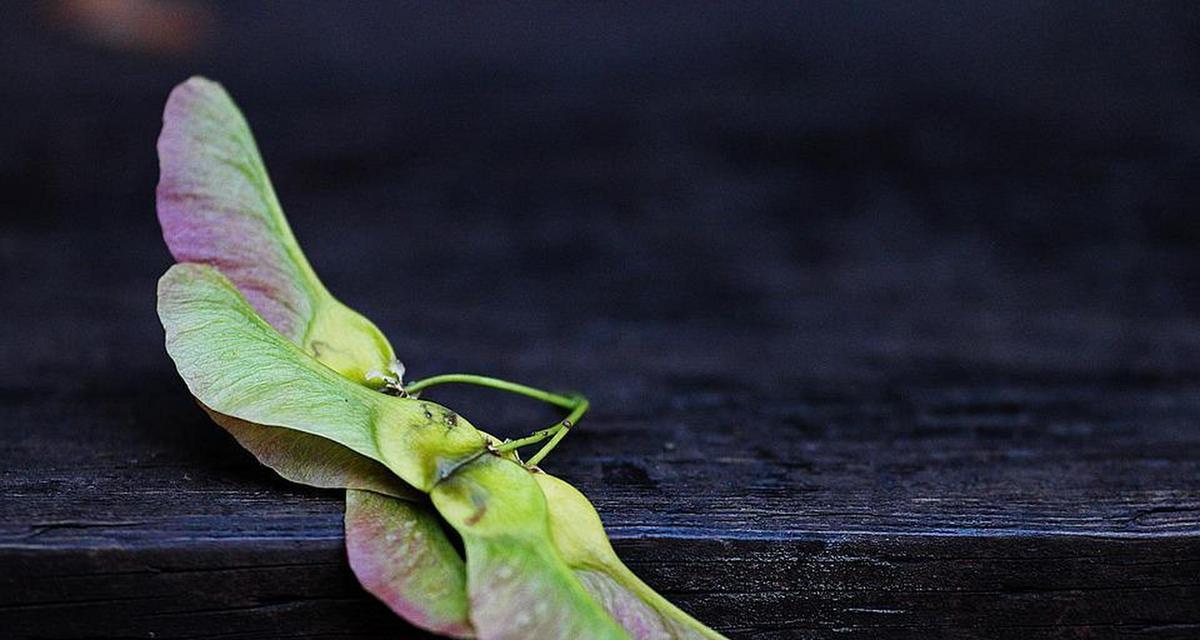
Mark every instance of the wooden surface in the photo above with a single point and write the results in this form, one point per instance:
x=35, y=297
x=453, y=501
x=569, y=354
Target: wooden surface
x=897, y=351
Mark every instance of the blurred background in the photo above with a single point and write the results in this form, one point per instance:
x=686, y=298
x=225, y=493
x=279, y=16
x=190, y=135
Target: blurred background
x=828, y=189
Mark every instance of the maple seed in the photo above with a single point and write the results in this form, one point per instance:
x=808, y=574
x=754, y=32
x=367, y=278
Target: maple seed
x=295, y=376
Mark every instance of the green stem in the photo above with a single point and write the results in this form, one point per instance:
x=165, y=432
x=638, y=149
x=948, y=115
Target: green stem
x=577, y=404
x=564, y=429
x=494, y=383
x=533, y=438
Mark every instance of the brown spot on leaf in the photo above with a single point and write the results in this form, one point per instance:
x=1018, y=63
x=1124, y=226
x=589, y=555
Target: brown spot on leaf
x=480, y=509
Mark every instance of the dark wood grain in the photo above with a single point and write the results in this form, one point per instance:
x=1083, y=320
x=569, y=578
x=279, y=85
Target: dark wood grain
x=884, y=351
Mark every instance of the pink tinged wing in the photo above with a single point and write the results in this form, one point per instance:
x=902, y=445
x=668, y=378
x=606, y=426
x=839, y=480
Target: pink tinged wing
x=216, y=205
x=312, y=460
x=401, y=555
x=638, y=618
x=635, y=612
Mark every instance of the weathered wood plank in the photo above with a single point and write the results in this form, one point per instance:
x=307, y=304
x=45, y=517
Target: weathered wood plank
x=979, y=587
x=1005, y=525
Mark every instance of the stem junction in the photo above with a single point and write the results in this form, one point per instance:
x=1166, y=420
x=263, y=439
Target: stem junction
x=576, y=404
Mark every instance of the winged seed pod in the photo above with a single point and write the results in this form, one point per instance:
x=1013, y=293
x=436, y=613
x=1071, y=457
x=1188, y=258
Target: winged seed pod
x=295, y=376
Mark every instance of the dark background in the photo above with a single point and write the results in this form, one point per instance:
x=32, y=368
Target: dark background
x=913, y=277
x=995, y=189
